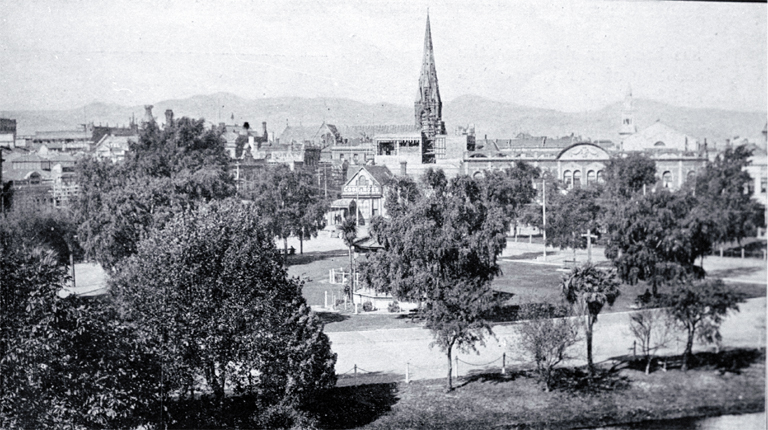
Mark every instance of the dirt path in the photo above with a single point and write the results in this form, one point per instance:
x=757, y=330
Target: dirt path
x=388, y=352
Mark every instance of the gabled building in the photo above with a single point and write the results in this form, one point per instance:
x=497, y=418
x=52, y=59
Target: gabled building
x=362, y=196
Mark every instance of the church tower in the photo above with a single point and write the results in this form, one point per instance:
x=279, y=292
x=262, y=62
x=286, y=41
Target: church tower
x=628, y=126
x=428, y=108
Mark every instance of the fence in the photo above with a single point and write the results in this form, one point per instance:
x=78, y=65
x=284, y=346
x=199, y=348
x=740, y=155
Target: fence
x=359, y=376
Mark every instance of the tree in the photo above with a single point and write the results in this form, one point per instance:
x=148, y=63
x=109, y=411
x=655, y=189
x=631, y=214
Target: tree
x=651, y=329
x=627, y=176
x=589, y=289
x=511, y=189
x=658, y=237
x=292, y=203
x=441, y=249
x=53, y=229
x=724, y=192
x=166, y=172
x=694, y=304
x=572, y=215
x=66, y=362
x=211, y=290
x=546, y=340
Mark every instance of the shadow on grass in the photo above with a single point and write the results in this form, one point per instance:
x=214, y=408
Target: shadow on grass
x=492, y=375
x=726, y=361
x=310, y=257
x=204, y=412
x=578, y=380
x=354, y=406
x=512, y=313
x=331, y=317
x=735, y=271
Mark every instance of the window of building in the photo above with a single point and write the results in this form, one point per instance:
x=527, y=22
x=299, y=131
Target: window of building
x=599, y=176
x=375, y=208
x=577, y=179
x=568, y=179
x=341, y=156
x=354, y=158
x=666, y=179
x=763, y=185
x=691, y=175
x=590, y=177
x=362, y=181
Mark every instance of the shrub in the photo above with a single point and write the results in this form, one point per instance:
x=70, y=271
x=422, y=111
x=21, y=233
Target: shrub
x=393, y=306
x=368, y=306
x=546, y=340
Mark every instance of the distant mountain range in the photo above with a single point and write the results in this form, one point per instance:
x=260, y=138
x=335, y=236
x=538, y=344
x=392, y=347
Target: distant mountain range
x=491, y=118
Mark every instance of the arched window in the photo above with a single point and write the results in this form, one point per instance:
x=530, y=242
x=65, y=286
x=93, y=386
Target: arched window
x=659, y=143
x=590, y=177
x=666, y=179
x=478, y=175
x=599, y=176
x=577, y=179
x=568, y=179
x=691, y=175
x=362, y=181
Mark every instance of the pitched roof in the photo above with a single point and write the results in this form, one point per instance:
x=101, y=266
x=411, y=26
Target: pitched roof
x=381, y=173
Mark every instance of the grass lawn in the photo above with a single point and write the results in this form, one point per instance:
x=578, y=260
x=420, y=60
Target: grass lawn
x=523, y=282
x=727, y=383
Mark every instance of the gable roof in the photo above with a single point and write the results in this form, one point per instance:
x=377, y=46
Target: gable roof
x=380, y=173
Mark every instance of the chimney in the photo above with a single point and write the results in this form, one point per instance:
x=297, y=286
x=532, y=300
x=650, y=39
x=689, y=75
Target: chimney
x=264, y=129
x=168, y=118
x=148, y=113
x=403, y=168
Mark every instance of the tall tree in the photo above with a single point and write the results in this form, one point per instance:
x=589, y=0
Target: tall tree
x=511, y=189
x=723, y=191
x=627, y=175
x=696, y=303
x=167, y=171
x=211, y=290
x=571, y=215
x=589, y=289
x=65, y=362
x=292, y=202
x=441, y=249
x=658, y=237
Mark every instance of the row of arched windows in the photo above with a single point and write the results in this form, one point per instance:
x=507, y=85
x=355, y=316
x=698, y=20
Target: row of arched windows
x=572, y=179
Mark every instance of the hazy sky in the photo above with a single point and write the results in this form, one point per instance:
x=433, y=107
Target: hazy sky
x=560, y=55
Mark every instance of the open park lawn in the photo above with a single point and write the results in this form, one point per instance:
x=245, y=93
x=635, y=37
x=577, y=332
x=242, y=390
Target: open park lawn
x=522, y=281
x=730, y=382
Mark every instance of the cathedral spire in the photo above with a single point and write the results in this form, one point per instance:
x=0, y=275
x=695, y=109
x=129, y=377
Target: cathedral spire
x=428, y=107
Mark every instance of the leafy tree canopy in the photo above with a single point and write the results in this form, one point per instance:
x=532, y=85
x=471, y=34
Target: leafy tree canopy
x=65, y=362
x=626, y=176
x=211, y=290
x=696, y=303
x=723, y=188
x=167, y=171
x=572, y=214
x=440, y=247
x=658, y=237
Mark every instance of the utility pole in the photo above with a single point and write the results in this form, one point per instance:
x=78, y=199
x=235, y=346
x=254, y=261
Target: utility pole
x=325, y=180
x=544, y=215
x=2, y=185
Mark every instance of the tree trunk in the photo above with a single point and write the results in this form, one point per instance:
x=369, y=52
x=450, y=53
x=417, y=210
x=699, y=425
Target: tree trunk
x=285, y=250
x=450, y=370
x=590, y=364
x=688, y=348
x=301, y=242
x=648, y=364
